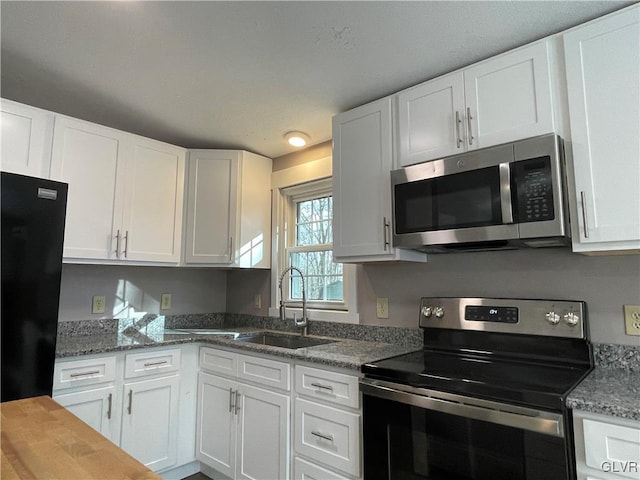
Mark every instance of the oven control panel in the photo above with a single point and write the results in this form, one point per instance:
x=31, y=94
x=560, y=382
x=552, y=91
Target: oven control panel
x=556, y=318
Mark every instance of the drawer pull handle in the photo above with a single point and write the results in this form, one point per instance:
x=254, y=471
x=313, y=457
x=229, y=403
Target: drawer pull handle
x=109, y=408
x=84, y=374
x=155, y=364
x=322, y=387
x=328, y=438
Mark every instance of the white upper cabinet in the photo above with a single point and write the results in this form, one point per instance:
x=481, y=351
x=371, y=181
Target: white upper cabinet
x=603, y=75
x=430, y=119
x=25, y=139
x=499, y=100
x=362, y=160
x=228, y=209
x=125, y=194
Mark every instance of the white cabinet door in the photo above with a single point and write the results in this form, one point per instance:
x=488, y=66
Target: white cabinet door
x=262, y=450
x=216, y=429
x=509, y=97
x=362, y=162
x=125, y=193
x=95, y=407
x=26, y=139
x=603, y=75
x=150, y=421
x=431, y=120
x=211, y=206
x=228, y=209
x=88, y=158
x=154, y=194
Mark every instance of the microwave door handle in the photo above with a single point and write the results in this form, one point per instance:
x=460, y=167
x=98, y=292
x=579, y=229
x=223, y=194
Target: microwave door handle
x=505, y=193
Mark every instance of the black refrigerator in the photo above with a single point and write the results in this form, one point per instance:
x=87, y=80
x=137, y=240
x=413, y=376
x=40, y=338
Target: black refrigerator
x=33, y=212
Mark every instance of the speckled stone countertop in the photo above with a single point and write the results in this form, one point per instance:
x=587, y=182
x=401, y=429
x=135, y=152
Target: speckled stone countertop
x=370, y=343
x=613, y=387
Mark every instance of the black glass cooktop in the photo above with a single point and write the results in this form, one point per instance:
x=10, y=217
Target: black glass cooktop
x=543, y=385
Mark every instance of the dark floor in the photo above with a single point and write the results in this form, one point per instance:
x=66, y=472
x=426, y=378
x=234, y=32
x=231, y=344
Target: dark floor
x=197, y=476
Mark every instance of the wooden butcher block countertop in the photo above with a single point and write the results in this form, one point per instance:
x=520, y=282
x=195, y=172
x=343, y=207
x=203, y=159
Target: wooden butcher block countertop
x=42, y=440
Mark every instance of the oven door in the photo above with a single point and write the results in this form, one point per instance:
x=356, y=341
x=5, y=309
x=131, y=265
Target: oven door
x=416, y=434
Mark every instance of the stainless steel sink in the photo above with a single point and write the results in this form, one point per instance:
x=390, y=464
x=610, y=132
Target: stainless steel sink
x=283, y=341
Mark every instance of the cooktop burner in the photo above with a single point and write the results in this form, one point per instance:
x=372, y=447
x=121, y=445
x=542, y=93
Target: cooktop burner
x=525, y=352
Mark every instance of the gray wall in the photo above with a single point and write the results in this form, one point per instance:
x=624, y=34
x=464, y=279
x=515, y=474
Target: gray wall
x=606, y=283
x=193, y=290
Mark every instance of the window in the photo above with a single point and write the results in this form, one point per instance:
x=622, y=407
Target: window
x=309, y=247
x=303, y=237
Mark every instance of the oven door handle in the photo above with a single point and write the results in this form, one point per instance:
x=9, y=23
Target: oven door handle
x=493, y=412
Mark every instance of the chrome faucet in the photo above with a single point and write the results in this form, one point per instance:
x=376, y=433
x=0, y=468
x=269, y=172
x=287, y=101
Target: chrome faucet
x=303, y=321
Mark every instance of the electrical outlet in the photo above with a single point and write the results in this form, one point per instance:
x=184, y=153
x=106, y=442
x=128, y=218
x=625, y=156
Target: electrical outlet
x=257, y=301
x=98, y=304
x=165, y=301
x=382, y=307
x=632, y=319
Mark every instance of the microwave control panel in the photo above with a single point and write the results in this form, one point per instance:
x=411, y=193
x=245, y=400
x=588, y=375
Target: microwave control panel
x=533, y=191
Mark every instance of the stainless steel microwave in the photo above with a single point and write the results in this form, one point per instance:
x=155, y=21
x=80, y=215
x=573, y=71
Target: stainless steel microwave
x=508, y=196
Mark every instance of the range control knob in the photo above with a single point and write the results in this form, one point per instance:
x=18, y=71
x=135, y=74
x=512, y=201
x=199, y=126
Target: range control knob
x=571, y=319
x=438, y=312
x=427, y=311
x=553, y=318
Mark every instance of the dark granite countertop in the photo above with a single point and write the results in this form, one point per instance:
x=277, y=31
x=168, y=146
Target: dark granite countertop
x=613, y=387
x=343, y=352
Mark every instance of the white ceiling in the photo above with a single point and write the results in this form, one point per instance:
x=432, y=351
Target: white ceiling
x=241, y=74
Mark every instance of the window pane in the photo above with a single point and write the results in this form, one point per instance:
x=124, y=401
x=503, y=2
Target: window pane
x=313, y=221
x=323, y=276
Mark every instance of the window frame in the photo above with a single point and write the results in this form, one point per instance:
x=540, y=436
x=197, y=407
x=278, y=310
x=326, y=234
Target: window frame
x=300, y=181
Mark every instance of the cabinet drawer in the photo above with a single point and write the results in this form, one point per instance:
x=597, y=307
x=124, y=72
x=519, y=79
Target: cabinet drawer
x=328, y=386
x=303, y=470
x=264, y=371
x=152, y=363
x=612, y=447
x=328, y=435
x=219, y=361
x=88, y=371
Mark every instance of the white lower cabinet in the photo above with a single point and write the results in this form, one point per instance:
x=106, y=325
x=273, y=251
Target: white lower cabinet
x=243, y=429
x=139, y=410
x=150, y=421
x=327, y=425
x=607, y=448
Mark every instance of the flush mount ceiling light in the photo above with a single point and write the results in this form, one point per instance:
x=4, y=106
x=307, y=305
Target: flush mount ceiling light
x=297, y=139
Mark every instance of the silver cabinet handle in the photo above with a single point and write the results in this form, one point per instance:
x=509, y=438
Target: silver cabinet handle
x=126, y=243
x=328, y=438
x=84, y=374
x=110, y=398
x=458, y=137
x=237, y=405
x=232, y=397
x=130, y=402
x=118, y=244
x=231, y=249
x=154, y=364
x=585, y=224
x=385, y=227
x=469, y=117
x=322, y=387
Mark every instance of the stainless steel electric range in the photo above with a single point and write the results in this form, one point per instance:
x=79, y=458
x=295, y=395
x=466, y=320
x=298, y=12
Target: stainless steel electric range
x=484, y=399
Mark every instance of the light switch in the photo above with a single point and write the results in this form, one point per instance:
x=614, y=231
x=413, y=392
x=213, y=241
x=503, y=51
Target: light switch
x=165, y=301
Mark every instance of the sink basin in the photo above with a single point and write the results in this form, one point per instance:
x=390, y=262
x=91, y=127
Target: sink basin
x=283, y=341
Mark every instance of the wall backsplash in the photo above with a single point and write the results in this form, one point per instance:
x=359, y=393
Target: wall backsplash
x=193, y=290
x=605, y=283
